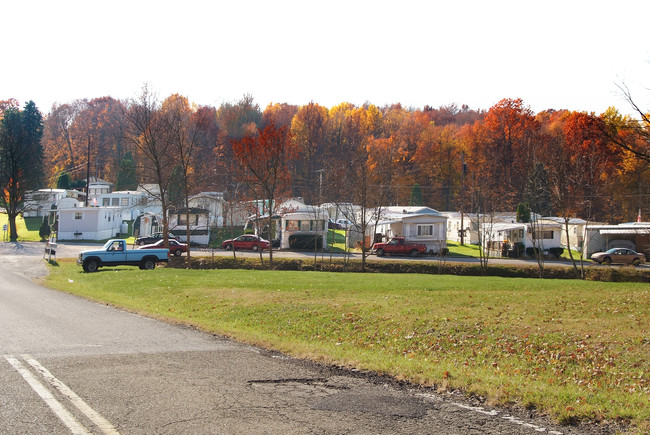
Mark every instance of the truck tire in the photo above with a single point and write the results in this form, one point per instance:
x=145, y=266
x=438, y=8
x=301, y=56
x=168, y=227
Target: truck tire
x=380, y=252
x=148, y=264
x=91, y=266
x=415, y=253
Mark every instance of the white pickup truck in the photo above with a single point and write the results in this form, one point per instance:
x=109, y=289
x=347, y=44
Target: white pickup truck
x=115, y=253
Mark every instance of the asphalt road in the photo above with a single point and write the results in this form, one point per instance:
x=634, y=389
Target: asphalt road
x=68, y=365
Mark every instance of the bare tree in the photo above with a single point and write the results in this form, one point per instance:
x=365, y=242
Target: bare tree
x=149, y=132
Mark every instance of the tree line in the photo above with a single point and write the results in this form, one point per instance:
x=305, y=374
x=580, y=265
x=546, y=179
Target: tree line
x=560, y=162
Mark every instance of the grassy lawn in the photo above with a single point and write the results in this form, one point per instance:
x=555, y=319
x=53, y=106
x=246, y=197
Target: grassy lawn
x=577, y=350
x=27, y=228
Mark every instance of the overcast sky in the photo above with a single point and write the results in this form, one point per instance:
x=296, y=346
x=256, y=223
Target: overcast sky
x=568, y=54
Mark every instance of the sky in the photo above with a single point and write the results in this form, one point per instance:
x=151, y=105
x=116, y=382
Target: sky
x=568, y=54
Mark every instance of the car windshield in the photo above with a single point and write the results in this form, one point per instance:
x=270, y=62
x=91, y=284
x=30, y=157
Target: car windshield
x=611, y=251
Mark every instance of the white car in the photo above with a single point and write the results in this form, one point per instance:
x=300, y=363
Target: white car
x=343, y=223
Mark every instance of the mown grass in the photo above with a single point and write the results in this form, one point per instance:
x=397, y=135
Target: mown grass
x=27, y=228
x=577, y=350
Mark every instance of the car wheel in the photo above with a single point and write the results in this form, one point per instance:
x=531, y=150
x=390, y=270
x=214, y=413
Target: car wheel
x=255, y=248
x=636, y=262
x=414, y=253
x=91, y=266
x=380, y=252
x=228, y=247
x=607, y=260
x=148, y=264
x=177, y=253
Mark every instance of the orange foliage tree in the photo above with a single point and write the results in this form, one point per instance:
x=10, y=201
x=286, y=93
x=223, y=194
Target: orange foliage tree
x=265, y=157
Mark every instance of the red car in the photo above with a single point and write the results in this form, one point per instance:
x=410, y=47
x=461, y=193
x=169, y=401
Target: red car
x=175, y=247
x=246, y=241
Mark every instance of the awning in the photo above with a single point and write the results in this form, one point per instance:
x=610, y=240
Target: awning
x=628, y=231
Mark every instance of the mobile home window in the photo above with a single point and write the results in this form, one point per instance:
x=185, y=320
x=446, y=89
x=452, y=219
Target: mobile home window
x=425, y=230
x=293, y=225
x=106, y=202
x=78, y=215
x=543, y=235
x=115, y=201
x=124, y=201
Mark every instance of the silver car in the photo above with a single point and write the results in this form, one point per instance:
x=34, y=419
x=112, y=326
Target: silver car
x=619, y=256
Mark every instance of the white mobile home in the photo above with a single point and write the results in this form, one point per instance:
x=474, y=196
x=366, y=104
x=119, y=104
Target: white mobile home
x=502, y=237
x=198, y=224
x=89, y=223
x=417, y=224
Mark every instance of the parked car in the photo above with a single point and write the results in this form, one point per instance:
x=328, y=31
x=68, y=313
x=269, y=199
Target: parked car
x=175, y=247
x=399, y=246
x=152, y=238
x=246, y=241
x=343, y=223
x=619, y=256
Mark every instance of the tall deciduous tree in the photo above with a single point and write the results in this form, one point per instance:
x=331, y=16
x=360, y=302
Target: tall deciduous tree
x=308, y=130
x=21, y=158
x=265, y=157
x=149, y=133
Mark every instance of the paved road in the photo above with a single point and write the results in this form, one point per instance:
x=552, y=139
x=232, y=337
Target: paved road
x=68, y=365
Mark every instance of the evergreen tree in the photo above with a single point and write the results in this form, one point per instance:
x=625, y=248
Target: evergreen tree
x=416, y=195
x=44, y=231
x=63, y=182
x=21, y=158
x=523, y=212
x=175, y=190
x=126, y=179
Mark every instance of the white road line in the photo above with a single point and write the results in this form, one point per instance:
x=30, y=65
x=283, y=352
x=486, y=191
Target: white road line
x=492, y=413
x=66, y=417
x=77, y=401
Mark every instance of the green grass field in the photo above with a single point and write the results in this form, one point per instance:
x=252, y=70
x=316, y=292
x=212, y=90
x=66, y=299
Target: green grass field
x=577, y=350
x=27, y=228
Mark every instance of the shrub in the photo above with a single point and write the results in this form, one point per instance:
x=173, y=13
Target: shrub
x=556, y=252
x=624, y=274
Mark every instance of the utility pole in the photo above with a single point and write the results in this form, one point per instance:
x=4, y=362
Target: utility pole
x=463, y=172
x=88, y=173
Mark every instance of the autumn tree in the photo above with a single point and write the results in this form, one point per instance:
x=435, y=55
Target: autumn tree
x=308, y=130
x=265, y=157
x=149, y=133
x=506, y=144
x=438, y=164
x=234, y=120
x=632, y=135
x=360, y=192
x=185, y=125
x=61, y=150
x=280, y=114
x=21, y=158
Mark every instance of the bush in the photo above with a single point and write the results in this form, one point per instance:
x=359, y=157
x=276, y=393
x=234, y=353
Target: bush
x=556, y=252
x=623, y=274
x=44, y=231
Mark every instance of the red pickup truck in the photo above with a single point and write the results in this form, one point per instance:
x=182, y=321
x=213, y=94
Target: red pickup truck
x=399, y=246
